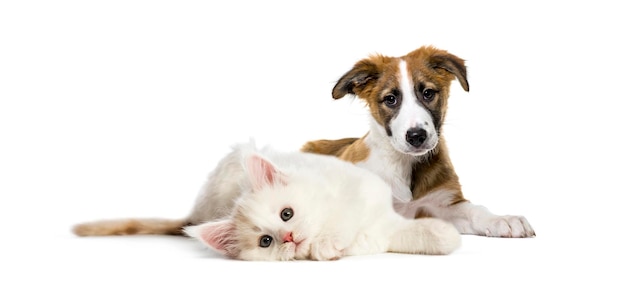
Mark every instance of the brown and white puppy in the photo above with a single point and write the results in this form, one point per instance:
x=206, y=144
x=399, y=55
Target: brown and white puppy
x=407, y=98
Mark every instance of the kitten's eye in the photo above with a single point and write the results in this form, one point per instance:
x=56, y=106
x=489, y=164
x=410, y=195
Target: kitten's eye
x=286, y=214
x=429, y=95
x=265, y=241
x=390, y=100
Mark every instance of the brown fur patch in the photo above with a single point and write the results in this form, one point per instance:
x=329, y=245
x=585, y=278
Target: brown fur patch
x=368, y=79
x=348, y=149
x=436, y=173
x=355, y=152
x=328, y=147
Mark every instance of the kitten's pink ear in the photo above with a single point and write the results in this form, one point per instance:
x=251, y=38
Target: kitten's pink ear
x=262, y=172
x=218, y=235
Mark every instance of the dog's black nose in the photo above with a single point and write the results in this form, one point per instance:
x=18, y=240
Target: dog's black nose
x=416, y=137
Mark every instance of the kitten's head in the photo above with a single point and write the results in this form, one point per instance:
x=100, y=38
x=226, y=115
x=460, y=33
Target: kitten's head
x=269, y=222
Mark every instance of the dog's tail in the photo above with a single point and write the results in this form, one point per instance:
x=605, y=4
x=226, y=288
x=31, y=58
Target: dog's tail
x=131, y=227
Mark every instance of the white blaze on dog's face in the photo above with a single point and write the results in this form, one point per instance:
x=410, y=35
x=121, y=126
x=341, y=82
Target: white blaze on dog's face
x=412, y=128
x=407, y=96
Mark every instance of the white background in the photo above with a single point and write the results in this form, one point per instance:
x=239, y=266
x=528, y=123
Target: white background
x=120, y=108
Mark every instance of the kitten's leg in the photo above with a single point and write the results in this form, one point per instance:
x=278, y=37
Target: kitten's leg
x=425, y=236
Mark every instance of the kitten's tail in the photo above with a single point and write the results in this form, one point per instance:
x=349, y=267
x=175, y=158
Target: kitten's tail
x=131, y=227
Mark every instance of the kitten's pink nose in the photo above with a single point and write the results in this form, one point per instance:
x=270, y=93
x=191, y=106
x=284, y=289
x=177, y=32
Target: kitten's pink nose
x=288, y=238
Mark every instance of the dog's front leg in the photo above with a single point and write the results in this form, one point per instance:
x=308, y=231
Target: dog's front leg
x=473, y=219
x=477, y=220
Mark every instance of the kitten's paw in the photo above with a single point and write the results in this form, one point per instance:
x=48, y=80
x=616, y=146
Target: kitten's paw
x=325, y=250
x=441, y=237
x=507, y=226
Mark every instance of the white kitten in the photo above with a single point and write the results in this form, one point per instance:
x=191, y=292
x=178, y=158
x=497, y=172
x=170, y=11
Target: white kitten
x=270, y=205
x=306, y=206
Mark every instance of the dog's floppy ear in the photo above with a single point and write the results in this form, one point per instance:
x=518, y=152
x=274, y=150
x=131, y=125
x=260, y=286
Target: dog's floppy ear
x=354, y=81
x=452, y=64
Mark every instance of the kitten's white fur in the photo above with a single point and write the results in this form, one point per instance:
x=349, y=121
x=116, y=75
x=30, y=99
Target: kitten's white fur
x=338, y=210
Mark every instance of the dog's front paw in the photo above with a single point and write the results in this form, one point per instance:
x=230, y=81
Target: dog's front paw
x=325, y=250
x=508, y=226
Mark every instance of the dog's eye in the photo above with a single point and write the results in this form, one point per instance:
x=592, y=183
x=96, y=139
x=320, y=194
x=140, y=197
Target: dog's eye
x=428, y=95
x=265, y=241
x=390, y=100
